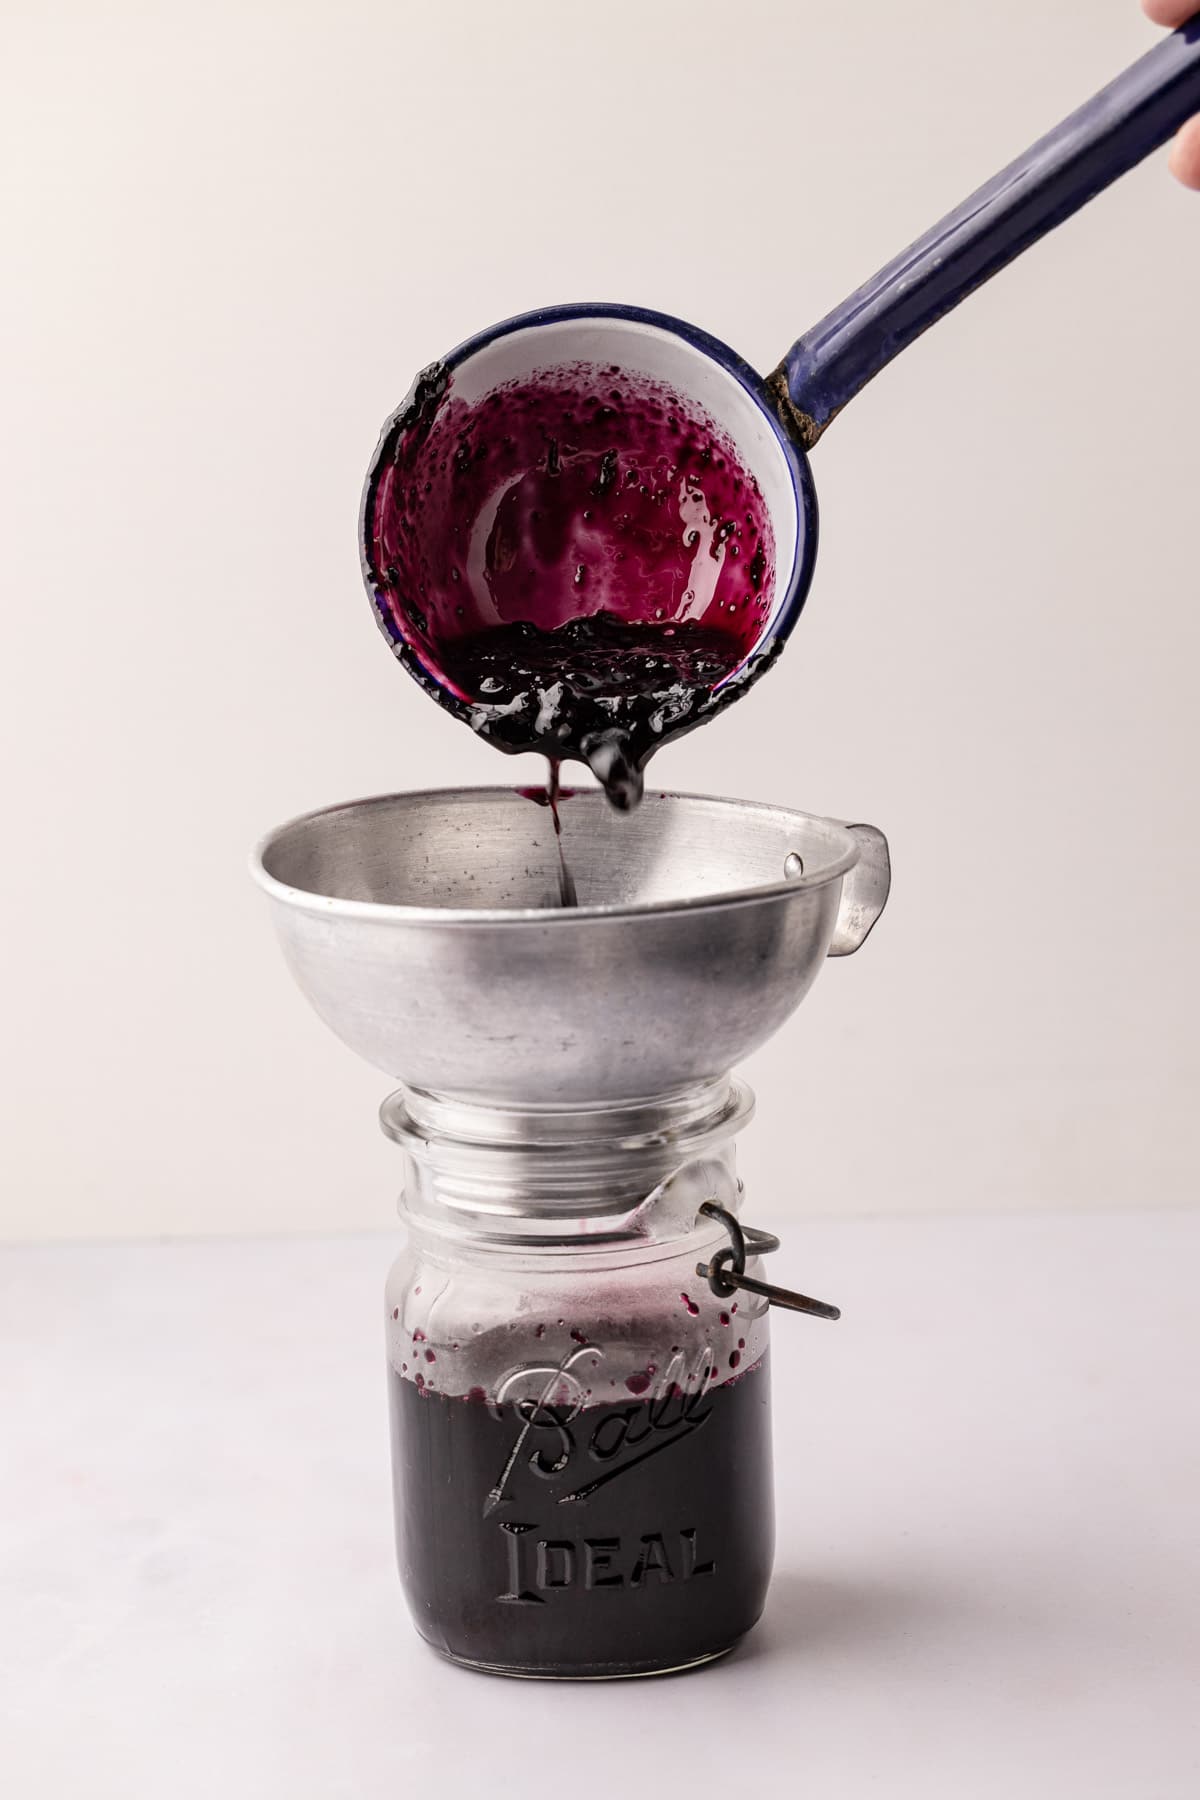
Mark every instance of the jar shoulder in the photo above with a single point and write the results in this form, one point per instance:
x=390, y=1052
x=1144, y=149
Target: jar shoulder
x=631, y=1330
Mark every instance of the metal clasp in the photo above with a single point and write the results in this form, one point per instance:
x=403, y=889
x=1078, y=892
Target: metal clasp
x=726, y=1273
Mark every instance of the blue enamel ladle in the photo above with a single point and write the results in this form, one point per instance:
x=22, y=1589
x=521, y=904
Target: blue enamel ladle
x=775, y=421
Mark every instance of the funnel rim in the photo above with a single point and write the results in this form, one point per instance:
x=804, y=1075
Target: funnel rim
x=555, y=918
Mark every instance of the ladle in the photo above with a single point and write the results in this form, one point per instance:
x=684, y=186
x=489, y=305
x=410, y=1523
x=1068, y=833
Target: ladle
x=600, y=460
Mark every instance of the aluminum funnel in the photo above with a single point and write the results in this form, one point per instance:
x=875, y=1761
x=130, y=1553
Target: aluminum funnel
x=425, y=929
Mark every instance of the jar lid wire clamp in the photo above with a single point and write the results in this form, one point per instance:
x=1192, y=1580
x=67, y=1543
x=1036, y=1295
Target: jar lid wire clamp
x=725, y=1273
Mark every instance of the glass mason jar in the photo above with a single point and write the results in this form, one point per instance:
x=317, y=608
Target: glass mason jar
x=580, y=1427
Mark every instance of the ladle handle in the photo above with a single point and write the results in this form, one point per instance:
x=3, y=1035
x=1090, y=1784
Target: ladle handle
x=1109, y=134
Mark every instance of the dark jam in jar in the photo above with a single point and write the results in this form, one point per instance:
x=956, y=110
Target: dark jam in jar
x=542, y=1536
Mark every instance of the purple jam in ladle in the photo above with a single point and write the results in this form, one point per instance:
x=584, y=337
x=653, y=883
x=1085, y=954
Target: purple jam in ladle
x=578, y=557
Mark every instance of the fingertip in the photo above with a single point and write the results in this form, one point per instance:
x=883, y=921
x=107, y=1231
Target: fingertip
x=1169, y=12
x=1185, y=154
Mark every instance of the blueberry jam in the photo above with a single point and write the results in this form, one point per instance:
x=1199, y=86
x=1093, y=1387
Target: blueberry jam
x=550, y=796
x=547, y=1536
x=574, y=562
x=619, y=687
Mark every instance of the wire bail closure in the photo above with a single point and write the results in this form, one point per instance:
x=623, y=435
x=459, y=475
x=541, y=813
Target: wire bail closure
x=726, y=1273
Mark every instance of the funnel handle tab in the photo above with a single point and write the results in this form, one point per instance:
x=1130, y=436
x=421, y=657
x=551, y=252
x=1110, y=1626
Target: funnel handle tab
x=865, y=890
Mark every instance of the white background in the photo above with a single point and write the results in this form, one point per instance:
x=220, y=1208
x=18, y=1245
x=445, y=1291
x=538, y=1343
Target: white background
x=231, y=234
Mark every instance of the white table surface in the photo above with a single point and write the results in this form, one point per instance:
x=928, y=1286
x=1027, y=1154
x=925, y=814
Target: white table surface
x=989, y=1536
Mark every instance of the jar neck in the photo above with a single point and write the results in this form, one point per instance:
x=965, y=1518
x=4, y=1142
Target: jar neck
x=636, y=1172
